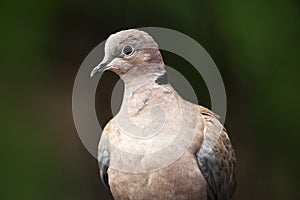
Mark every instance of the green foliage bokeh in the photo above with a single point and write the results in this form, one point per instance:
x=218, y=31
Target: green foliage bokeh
x=255, y=44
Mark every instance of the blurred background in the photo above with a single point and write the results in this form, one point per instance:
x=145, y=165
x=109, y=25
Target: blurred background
x=255, y=44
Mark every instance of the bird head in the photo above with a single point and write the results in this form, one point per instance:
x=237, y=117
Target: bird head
x=127, y=50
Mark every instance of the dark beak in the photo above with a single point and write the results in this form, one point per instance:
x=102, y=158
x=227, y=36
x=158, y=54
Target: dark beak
x=98, y=68
x=105, y=64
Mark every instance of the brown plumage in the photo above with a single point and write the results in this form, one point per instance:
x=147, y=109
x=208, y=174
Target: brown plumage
x=194, y=157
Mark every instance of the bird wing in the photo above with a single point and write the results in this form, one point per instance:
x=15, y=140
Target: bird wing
x=104, y=157
x=216, y=158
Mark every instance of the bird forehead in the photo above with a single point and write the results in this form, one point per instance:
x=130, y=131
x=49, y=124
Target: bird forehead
x=136, y=38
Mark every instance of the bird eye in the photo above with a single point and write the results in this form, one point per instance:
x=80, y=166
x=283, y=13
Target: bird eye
x=128, y=50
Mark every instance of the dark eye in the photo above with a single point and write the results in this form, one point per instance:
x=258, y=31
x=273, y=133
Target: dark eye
x=128, y=50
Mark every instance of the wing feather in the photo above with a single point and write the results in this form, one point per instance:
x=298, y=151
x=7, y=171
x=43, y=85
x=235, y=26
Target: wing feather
x=104, y=157
x=216, y=158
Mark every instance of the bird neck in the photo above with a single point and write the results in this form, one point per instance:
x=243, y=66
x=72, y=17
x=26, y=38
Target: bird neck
x=143, y=86
x=145, y=75
x=142, y=92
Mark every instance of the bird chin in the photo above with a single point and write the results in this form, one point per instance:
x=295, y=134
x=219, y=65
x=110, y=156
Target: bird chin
x=119, y=71
x=112, y=68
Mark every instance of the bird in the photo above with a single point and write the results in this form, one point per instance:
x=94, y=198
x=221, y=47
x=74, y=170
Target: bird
x=159, y=145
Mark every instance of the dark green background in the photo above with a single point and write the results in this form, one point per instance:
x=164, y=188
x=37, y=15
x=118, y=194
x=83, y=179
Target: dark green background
x=254, y=43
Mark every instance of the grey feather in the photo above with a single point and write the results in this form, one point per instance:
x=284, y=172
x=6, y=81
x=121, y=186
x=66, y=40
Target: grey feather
x=162, y=79
x=216, y=160
x=103, y=159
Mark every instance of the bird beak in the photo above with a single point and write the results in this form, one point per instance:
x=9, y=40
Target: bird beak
x=101, y=67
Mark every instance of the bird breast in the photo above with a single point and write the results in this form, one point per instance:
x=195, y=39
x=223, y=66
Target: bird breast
x=154, y=156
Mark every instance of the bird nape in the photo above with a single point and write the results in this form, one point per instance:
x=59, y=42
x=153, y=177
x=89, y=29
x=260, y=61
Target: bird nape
x=159, y=146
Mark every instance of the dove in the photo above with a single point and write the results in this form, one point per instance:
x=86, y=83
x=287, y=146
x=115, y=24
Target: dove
x=159, y=146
